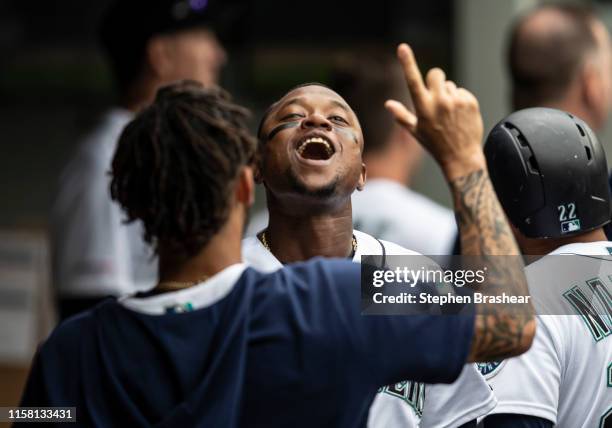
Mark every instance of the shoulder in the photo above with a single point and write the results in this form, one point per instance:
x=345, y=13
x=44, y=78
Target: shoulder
x=568, y=273
x=600, y=248
x=64, y=340
x=373, y=247
x=324, y=268
x=395, y=249
x=313, y=291
x=311, y=277
x=367, y=244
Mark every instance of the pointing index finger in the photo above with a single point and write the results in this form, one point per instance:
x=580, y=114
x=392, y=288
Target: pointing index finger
x=413, y=76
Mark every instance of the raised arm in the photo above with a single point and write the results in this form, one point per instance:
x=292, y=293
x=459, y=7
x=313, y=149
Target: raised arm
x=448, y=124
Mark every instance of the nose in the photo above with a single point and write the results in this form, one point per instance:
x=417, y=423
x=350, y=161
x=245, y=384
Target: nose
x=316, y=120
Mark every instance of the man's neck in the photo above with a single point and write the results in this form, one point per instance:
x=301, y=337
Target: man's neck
x=541, y=247
x=222, y=251
x=298, y=237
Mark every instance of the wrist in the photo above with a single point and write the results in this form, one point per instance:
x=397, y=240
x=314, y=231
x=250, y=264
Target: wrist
x=460, y=167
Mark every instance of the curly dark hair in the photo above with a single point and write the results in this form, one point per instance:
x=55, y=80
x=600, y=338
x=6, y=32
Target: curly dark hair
x=175, y=164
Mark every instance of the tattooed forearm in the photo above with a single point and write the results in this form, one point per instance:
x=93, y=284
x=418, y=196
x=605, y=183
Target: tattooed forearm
x=481, y=220
x=500, y=331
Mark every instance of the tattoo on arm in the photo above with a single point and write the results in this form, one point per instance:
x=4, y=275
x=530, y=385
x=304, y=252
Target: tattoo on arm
x=500, y=331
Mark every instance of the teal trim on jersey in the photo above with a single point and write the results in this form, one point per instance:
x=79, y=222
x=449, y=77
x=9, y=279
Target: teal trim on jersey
x=598, y=325
x=412, y=393
x=179, y=309
x=486, y=369
x=603, y=295
x=606, y=419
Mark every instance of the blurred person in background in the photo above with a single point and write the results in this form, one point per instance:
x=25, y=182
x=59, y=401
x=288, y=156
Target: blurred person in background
x=559, y=57
x=386, y=207
x=148, y=44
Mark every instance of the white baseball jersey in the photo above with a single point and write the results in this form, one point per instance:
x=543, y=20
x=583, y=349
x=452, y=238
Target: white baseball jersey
x=566, y=376
x=95, y=253
x=403, y=404
x=391, y=211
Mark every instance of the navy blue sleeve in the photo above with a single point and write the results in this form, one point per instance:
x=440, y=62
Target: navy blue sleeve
x=507, y=420
x=35, y=391
x=54, y=375
x=388, y=349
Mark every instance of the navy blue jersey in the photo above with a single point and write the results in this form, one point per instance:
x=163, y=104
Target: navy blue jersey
x=243, y=349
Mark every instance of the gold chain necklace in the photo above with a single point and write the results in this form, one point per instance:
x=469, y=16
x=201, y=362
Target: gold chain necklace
x=264, y=241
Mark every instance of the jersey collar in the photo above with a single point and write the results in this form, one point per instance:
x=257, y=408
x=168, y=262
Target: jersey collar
x=600, y=248
x=199, y=296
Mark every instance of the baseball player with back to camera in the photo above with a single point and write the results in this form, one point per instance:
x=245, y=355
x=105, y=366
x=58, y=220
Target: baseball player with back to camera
x=310, y=162
x=216, y=343
x=550, y=174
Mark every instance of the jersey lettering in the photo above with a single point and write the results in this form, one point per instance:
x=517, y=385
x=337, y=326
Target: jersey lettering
x=490, y=369
x=604, y=296
x=606, y=419
x=598, y=322
x=413, y=393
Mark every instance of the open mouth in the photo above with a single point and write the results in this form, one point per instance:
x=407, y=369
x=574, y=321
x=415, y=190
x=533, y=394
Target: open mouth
x=315, y=148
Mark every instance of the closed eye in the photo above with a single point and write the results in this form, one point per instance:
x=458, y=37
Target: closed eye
x=339, y=119
x=292, y=116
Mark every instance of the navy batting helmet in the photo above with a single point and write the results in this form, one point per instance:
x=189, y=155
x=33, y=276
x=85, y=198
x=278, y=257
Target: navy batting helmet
x=549, y=172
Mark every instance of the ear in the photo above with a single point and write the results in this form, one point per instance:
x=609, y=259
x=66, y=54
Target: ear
x=158, y=56
x=245, y=188
x=362, y=177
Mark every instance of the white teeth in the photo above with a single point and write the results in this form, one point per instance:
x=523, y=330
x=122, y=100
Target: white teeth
x=318, y=140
